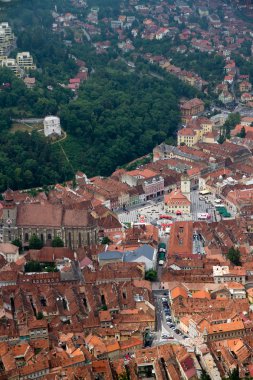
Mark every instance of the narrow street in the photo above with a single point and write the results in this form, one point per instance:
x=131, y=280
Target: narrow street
x=166, y=332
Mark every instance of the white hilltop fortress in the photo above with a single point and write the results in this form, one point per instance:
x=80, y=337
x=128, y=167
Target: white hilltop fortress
x=52, y=126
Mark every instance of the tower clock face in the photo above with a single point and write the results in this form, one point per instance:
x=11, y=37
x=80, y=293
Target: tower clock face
x=8, y=221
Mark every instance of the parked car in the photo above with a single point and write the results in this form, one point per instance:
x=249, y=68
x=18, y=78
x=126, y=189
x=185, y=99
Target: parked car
x=165, y=217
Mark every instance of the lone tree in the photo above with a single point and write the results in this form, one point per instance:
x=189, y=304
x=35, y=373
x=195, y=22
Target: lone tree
x=243, y=133
x=106, y=240
x=57, y=242
x=151, y=275
x=221, y=138
x=17, y=243
x=234, y=256
x=35, y=242
x=205, y=376
x=40, y=315
x=234, y=375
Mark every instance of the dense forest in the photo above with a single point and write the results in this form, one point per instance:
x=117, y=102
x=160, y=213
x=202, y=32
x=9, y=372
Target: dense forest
x=119, y=116
x=17, y=100
x=26, y=161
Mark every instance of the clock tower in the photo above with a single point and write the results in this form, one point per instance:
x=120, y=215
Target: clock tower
x=186, y=184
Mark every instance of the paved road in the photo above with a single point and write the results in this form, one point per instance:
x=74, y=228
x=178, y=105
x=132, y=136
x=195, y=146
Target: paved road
x=201, y=204
x=28, y=120
x=153, y=209
x=244, y=111
x=86, y=34
x=163, y=328
x=150, y=211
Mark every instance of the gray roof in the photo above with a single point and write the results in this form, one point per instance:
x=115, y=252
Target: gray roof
x=110, y=255
x=165, y=148
x=145, y=250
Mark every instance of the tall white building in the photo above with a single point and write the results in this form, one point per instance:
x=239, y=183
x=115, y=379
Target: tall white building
x=11, y=64
x=4, y=26
x=25, y=61
x=7, y=40
x=52, y=126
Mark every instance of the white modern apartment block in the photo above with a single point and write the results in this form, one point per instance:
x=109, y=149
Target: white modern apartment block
x=25, y=61
x=11, y=64
x=7, y=40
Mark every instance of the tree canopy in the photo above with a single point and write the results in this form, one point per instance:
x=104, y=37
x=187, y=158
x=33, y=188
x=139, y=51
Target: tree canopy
x=35, y=242
x=57, y=242
x=118, y=117
x=234, y=256
x=151, y=275
x=28, y=160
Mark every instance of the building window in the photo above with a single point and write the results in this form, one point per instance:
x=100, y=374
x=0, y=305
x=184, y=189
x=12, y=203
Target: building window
x=49, y=237
x=26, y=237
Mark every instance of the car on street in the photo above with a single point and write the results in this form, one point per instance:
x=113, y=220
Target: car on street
x=165, y=336
x=165, y=217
